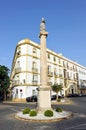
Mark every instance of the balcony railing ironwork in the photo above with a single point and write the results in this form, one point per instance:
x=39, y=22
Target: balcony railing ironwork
x=60, y=75
x=16, y=82
x=17, y=70
x=55, y=74
x=50, y=73
x=34, y=82
x=34, y=70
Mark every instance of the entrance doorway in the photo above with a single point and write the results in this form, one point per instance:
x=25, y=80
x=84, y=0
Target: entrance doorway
x=72, y=91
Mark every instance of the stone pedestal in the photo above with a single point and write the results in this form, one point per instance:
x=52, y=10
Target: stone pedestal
x=44, y=99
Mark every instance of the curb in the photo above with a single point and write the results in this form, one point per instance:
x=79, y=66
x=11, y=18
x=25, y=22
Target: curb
x=68, y=101
x=44, y=120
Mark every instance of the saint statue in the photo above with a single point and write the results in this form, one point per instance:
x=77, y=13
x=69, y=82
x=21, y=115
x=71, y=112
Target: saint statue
x=42, y=25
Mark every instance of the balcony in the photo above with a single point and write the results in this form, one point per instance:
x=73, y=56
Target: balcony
x=15, y=83
x=69, y=78
x=18, y=70
x=75, y=78
x=55, y=74
x=34, y=55
x=60, y=75
x=64, y=66
x=60, y=64
x=50, y=73
x=18, y=53
x=34, y=70
x=49, y=83
x=34, y=82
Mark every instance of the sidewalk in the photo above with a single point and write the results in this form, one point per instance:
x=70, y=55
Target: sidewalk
x=63, y=101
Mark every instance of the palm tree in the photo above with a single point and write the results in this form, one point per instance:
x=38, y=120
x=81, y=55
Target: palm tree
x=57, y=88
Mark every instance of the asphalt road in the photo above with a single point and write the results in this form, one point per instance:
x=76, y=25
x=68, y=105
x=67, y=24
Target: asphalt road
x=77, y=122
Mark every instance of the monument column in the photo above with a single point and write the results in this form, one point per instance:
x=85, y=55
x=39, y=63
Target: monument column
x=44, y=99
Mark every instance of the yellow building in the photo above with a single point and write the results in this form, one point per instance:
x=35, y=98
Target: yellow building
x=25, y=71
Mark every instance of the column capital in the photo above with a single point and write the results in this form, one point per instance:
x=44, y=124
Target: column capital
x=43, y=33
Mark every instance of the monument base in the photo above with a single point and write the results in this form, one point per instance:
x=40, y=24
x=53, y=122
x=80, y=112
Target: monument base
x=44, y=99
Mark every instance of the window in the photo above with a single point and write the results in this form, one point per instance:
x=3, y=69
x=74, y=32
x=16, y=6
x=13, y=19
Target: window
x=34, y=50
x=24, y=81
x=16, y=91
x=33, y=92
x=17, y=79
x=49, y=68
x=34, y=64
x=55, y=80
x=55, y=71
x=67, y=74
x=35, y=77
x=18, y=64
x=49, y=81
x=74, y=76
x=34, y=67
x=59, y=61
x=67, y=65
x=48, y=56
x=60, y=72
x=54, y=58
x=18, y=50
x=61, y=81
x=63, y=63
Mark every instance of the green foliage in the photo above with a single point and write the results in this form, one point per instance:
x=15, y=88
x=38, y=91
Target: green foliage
x=4, y=80
x=26, y=111
x=59, y=109
x=48, y=113
x=59, y=100
x=33, y=113
x=56, y=87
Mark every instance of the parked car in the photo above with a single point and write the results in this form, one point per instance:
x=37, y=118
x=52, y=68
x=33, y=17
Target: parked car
x=53, y=97
x=1, y=97
x=61, y=96
x=73, y=95
x=82, y=95
x=32, y=99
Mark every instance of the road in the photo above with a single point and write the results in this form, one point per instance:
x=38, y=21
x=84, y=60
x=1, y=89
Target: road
x=77, y=122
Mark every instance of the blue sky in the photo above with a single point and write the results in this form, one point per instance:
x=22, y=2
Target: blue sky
x=65, y=22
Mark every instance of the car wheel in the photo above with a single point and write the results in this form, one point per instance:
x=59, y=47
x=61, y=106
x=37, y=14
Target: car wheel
x=33, y=100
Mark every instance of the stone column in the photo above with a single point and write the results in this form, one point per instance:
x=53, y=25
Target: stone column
x=44, y=99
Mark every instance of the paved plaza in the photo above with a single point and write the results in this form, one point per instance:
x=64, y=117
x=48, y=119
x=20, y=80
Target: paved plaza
x=77, y=122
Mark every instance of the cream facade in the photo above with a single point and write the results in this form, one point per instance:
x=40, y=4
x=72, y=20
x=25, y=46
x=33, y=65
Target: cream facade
x=82, y=79
x=25, y=71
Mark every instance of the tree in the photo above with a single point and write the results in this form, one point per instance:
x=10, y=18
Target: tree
x=56, y=88
x=4, y=80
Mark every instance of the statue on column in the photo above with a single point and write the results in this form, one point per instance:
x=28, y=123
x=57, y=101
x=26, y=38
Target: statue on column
x=42, y=25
